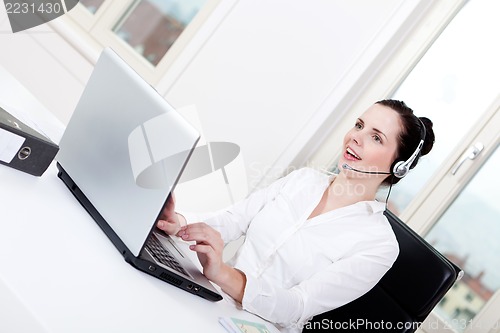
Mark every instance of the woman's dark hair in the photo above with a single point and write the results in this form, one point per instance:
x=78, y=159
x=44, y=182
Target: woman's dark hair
x=410, y=135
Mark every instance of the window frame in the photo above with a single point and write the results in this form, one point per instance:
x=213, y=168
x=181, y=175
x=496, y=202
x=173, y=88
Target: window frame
x=95, y=31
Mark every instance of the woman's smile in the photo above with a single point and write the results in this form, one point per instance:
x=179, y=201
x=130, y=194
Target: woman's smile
x=351, y=155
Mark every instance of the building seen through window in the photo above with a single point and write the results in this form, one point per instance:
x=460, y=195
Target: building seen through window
x=153, y=26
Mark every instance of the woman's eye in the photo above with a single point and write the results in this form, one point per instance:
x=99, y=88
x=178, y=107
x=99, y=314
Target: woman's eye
x=358, y=125
x=377, y=138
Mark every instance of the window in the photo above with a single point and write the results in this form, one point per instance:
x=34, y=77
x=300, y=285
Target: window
x=445, y=87
x=150, y=27
x=456, y=85
x=148, y=34
x=467, y=233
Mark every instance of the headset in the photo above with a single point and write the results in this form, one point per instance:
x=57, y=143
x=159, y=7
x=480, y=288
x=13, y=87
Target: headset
x=399, y=169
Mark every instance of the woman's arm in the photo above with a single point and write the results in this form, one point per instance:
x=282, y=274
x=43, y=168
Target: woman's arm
x=233, y=221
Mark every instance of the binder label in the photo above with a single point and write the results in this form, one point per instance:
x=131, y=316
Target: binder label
x=10, y=144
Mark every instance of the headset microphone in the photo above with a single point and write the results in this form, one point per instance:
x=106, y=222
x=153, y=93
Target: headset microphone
x=348, y=167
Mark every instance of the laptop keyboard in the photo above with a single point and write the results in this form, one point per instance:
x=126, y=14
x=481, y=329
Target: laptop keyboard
x=162, y=255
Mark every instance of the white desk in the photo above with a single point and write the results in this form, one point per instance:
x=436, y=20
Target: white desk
x=59, y=273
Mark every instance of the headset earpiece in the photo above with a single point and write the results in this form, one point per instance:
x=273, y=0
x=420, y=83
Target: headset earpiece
x=401, y=168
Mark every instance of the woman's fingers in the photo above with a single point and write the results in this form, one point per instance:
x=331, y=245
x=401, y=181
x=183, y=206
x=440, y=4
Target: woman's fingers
x=199, y=232
x=169, y=227
x=169, y=221
x=200, y=248
x=202, y=234
x=195, y=235
x=208, y=246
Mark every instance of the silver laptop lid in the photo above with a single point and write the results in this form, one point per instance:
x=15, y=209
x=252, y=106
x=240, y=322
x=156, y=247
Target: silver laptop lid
x=125, y=148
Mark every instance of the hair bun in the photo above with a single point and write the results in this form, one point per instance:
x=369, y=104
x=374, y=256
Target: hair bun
x=429, y=135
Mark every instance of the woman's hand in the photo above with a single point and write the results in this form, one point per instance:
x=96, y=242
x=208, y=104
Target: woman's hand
x=209, y=246
x=170, y=222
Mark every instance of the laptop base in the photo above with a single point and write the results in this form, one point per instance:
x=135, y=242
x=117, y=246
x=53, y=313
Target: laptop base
x=146, y=266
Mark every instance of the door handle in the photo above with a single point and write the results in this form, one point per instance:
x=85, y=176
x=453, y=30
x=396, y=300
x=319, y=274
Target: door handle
x=470, y=154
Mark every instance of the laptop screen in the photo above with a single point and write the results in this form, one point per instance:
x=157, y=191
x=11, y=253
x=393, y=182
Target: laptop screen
x=125, y=148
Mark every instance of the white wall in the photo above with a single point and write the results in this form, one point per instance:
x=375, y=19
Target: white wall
x=263, y=77
x=48, y=66
x=272, y=76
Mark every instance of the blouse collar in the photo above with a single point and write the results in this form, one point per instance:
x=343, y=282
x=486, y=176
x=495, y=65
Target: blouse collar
x=374, y=205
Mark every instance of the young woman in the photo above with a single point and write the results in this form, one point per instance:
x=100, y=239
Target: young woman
x=313, y=242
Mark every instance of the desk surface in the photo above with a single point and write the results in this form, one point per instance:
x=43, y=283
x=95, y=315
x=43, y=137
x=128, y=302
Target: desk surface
x=60, y=273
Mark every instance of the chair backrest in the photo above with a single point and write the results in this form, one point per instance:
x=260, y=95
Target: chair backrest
x=404, y=297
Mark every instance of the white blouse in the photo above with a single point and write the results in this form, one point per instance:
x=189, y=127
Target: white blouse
x=298, y=267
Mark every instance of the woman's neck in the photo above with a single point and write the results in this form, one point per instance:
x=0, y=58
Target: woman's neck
x=345, y=191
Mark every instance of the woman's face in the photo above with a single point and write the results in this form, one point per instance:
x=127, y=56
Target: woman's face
x=371, y=144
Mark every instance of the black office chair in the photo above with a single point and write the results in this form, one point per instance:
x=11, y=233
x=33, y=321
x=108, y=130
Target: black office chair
x=404, y=297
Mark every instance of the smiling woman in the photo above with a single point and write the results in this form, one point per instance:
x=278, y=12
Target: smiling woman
x=313, y=242
x=413, y=139
x=371, y=145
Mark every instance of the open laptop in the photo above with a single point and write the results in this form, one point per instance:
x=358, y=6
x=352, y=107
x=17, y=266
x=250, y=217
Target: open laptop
x=121, y=155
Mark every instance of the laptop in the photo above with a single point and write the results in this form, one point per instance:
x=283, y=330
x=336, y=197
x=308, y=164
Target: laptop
x=121, y=155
